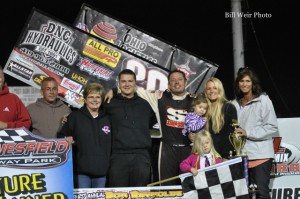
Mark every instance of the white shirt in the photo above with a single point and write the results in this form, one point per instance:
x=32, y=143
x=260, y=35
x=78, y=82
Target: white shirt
x=202, y=160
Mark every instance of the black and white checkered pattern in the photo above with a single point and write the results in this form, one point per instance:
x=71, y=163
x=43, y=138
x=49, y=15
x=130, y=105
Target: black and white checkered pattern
x=224, y=181
x=17, y=135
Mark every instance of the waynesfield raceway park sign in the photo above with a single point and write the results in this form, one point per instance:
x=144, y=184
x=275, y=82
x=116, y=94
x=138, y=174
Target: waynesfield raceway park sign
x=33, y=167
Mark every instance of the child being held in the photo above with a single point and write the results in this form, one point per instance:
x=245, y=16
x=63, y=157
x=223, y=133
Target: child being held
x=196, y=118
x=203, y=154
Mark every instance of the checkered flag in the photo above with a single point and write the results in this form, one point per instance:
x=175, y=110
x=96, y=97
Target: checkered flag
x=224, y=180
x=18, y=135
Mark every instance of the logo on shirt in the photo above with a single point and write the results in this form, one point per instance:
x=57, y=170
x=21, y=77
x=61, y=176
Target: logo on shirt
x=6, y=109
x=106, y=129
x=175, y=117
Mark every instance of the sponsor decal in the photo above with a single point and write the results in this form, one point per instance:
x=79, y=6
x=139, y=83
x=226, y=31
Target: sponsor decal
x=130, y=194
x=43, y=62
x=102, y=53
x=185, y=68
x=105, y=31
x=94, y=69
x=20, y=70
x=137, y=46
x=286, y=161
x=53, y=40
x=79, y=78
x=37, y=78
x=71, y=85
x=175, y=117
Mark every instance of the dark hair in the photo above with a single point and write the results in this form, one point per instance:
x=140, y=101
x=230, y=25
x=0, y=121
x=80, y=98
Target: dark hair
x=127, y=72
x=176, y=71
x=1, y=67
x=256, y=88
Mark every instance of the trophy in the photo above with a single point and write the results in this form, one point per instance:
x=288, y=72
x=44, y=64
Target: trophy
x=236, y=139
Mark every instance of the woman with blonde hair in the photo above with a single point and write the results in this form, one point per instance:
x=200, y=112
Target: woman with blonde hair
x=221, y=114
x=89, y=130
x=203, y=154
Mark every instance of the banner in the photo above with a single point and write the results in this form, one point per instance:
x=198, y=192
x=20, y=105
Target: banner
x=145, y=46
x=48, y=47
x=286, y=165
x=34, y=167
x=164, y=192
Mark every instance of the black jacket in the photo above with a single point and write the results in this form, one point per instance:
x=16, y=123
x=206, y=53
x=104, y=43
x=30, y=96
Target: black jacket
x=92, y=136
x=131, y=120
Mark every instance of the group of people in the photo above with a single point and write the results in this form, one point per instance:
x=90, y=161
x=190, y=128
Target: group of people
x=111, y=140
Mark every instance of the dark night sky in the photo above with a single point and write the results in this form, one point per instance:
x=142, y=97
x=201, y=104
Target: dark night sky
x=271, y=44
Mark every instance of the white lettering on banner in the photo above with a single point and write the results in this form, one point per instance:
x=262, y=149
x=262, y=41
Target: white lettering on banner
x=156, y=79
x=60, y=31
x=135, y=42
x=286, y=193
x=285, y=183
x=281, y=157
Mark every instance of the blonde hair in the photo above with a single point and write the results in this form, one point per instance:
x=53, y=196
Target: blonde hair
x=200, y=138
x=94, y=88
x=215, y=110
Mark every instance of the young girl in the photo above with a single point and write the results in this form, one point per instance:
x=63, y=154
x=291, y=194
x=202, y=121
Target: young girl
x=196, y=119
x=203, y=154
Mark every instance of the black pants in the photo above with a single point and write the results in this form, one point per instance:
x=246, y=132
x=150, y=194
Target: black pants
x=129, y=170
x=260, y=175
x=169, y=159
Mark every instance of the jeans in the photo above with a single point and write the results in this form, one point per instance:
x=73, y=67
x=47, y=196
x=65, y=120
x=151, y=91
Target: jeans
x=85, y=181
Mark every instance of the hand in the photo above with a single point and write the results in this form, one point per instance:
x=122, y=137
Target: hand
x=64, y=119
x=109, y=95
x=194, y=171
x=70, y=140
x=241, y=131
x=192, y=137
x=3, y=125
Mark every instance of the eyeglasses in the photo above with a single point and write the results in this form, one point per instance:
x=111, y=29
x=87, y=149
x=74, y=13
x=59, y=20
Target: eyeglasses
x=94, y=97
x=48, y=89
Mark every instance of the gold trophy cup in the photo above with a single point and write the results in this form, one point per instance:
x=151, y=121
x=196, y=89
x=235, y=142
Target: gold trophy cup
x=236, y=139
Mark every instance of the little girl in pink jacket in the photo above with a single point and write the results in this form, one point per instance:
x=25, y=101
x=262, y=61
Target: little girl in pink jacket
x=203, y=154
